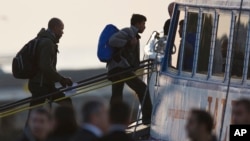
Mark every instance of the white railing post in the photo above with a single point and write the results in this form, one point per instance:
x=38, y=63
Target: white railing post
x=213, y=41
x=229, y=47
x=247, y=52
x=197, y=43
x=183, y=42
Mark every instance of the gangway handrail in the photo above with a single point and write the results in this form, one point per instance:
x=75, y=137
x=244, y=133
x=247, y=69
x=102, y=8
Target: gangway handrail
x=81, y=81
x=78, y=92
x=60, y=88
x=81, y=90
x=12, y=105
x=28, y=100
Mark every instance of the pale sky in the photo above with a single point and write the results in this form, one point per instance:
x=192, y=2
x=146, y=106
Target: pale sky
x=20, y=21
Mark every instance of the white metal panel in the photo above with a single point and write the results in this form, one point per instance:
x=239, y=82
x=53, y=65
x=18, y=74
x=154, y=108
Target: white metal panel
x=174, y=101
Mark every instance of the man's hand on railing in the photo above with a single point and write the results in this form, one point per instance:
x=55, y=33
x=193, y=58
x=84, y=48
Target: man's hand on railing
x=66, y=82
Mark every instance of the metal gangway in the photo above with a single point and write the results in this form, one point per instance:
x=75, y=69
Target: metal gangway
x=83, y=86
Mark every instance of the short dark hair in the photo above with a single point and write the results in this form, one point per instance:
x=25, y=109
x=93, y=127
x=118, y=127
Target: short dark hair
x=119, y=113
x=66, y=120
x=181, y=22
x=53, y=22
x=42, y=112
x=90, y=108
x=204, y=118
x=137, y=18
x=245, y=102
x=166, y=27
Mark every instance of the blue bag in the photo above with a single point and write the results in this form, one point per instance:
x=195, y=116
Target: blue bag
x=104, y=51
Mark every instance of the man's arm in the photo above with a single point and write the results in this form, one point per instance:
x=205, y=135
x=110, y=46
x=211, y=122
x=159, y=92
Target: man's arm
x=45, y=62
x=121, y=38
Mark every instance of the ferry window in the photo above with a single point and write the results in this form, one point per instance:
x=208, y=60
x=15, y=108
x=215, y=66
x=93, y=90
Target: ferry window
x=205, y=43
x=190, y=39
x=239, y=46
x=177, y=42
x=189, y=45
x=221, y=45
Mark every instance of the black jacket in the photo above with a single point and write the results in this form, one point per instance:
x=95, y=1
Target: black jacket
x=27, y=136
x=116, y=136
x=65, y=137
x=84, y=135
x=47, y=50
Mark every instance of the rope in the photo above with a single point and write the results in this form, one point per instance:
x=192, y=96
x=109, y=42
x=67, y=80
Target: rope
x=230, y=70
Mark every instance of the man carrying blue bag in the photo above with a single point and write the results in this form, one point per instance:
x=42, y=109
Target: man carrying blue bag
x=125, y=50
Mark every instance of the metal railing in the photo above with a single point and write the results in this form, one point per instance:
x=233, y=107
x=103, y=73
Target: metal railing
x=83, y=86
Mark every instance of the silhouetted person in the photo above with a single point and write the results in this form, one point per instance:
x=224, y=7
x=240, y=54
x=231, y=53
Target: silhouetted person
x=189, y=46
x=65, y=125
x=95, y=121
x=238, y=59
x=199, y=126
x=119, y=119
x=44, y=81
x=127, y=55
x=241, y=111
x=167, y=23
x=39, y=126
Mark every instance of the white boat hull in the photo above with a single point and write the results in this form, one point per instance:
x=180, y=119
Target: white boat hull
x=175, y=97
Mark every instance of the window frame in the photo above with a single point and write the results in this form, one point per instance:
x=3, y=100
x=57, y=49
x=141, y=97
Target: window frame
x=216, y=12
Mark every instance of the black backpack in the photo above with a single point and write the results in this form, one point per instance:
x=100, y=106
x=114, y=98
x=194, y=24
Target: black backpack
x=24, y=65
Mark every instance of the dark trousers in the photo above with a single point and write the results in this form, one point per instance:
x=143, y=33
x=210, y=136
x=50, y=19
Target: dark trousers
x=137, y=85
x=37, y=91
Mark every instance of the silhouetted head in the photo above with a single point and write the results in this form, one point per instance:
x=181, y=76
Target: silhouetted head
x=171, y=8
x=199, y=123
x=241, y=111
x=139, y=22
x=166, y=27
x=224, y=48
x=119, y=113
x=64, y=120
x=56, y=26
x=95, y=112
x=40, y=123
x=181, y=28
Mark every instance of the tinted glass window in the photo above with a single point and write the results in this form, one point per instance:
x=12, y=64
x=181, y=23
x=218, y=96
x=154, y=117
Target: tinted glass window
x=221, y=45
x=205, y=42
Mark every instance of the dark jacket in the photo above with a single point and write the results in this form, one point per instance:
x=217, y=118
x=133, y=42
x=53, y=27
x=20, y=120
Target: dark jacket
x=84, y=135
x=125, y=55
x=116, y=136
x=47, y=50
x=27, y=136
x=63, y=137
